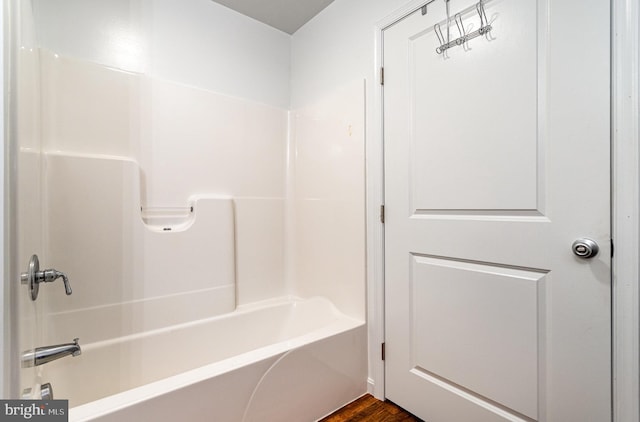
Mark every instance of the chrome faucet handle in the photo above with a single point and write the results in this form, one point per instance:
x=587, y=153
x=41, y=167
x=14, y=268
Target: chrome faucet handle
x=48, y=276
x=46, y=391
x=33, y=277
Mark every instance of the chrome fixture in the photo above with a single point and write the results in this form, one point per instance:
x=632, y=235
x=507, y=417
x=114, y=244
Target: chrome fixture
x=33, y=277
x=446, y=42
x=46, y=391
x=585, y=248
x=42, y=355
x=424, y=8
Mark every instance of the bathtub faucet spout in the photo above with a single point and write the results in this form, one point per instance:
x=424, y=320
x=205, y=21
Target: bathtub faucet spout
x=42, y=355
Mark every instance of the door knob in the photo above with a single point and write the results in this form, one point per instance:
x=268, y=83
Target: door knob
x=585, y=248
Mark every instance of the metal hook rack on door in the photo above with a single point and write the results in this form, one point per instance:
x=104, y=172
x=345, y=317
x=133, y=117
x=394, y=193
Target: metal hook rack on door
x=446, y=42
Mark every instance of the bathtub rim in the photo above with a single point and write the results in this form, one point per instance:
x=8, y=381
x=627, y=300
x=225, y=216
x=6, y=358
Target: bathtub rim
x=238, y=311
x=106, y=405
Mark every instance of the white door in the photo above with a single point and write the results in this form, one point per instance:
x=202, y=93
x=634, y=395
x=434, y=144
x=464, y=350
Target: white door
x=496, y=161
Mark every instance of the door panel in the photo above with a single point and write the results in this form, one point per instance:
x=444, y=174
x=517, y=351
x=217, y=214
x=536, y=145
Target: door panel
x=484, y=106
x=496, y=160
x=484, y=305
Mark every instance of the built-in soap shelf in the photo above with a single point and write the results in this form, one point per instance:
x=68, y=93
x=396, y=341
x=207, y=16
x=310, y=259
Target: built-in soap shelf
x=168, y=219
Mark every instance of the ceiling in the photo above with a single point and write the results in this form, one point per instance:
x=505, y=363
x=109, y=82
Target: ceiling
x=285, y=15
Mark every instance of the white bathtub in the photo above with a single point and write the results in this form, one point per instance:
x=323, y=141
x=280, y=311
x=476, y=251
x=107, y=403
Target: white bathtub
x=285, y=360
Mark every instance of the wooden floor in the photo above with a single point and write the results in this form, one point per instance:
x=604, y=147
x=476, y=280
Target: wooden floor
x=368, y=408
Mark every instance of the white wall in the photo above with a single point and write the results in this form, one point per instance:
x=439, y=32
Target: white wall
x=336, y=47
x=197, y=42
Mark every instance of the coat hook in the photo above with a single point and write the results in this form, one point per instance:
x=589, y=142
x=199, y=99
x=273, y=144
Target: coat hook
x=446, y=43
x=438, y=31
x=484, y=22
x=463, y=36
x=446, y=3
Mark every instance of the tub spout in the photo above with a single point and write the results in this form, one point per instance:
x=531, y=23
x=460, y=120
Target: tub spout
x=42, y=355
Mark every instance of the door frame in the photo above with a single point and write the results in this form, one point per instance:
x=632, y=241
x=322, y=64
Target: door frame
x=9, y=371
x=625, y=212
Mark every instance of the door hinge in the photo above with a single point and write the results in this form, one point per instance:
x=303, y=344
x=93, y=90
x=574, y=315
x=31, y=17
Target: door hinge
x=382, y=214
x=611, y=248
x=382, y=350
x=382, y=76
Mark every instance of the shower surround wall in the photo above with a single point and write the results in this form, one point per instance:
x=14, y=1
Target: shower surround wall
x=326, y=246
x=207, y=117
x=171, y=103
x=188, y=142
x=198, y=95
